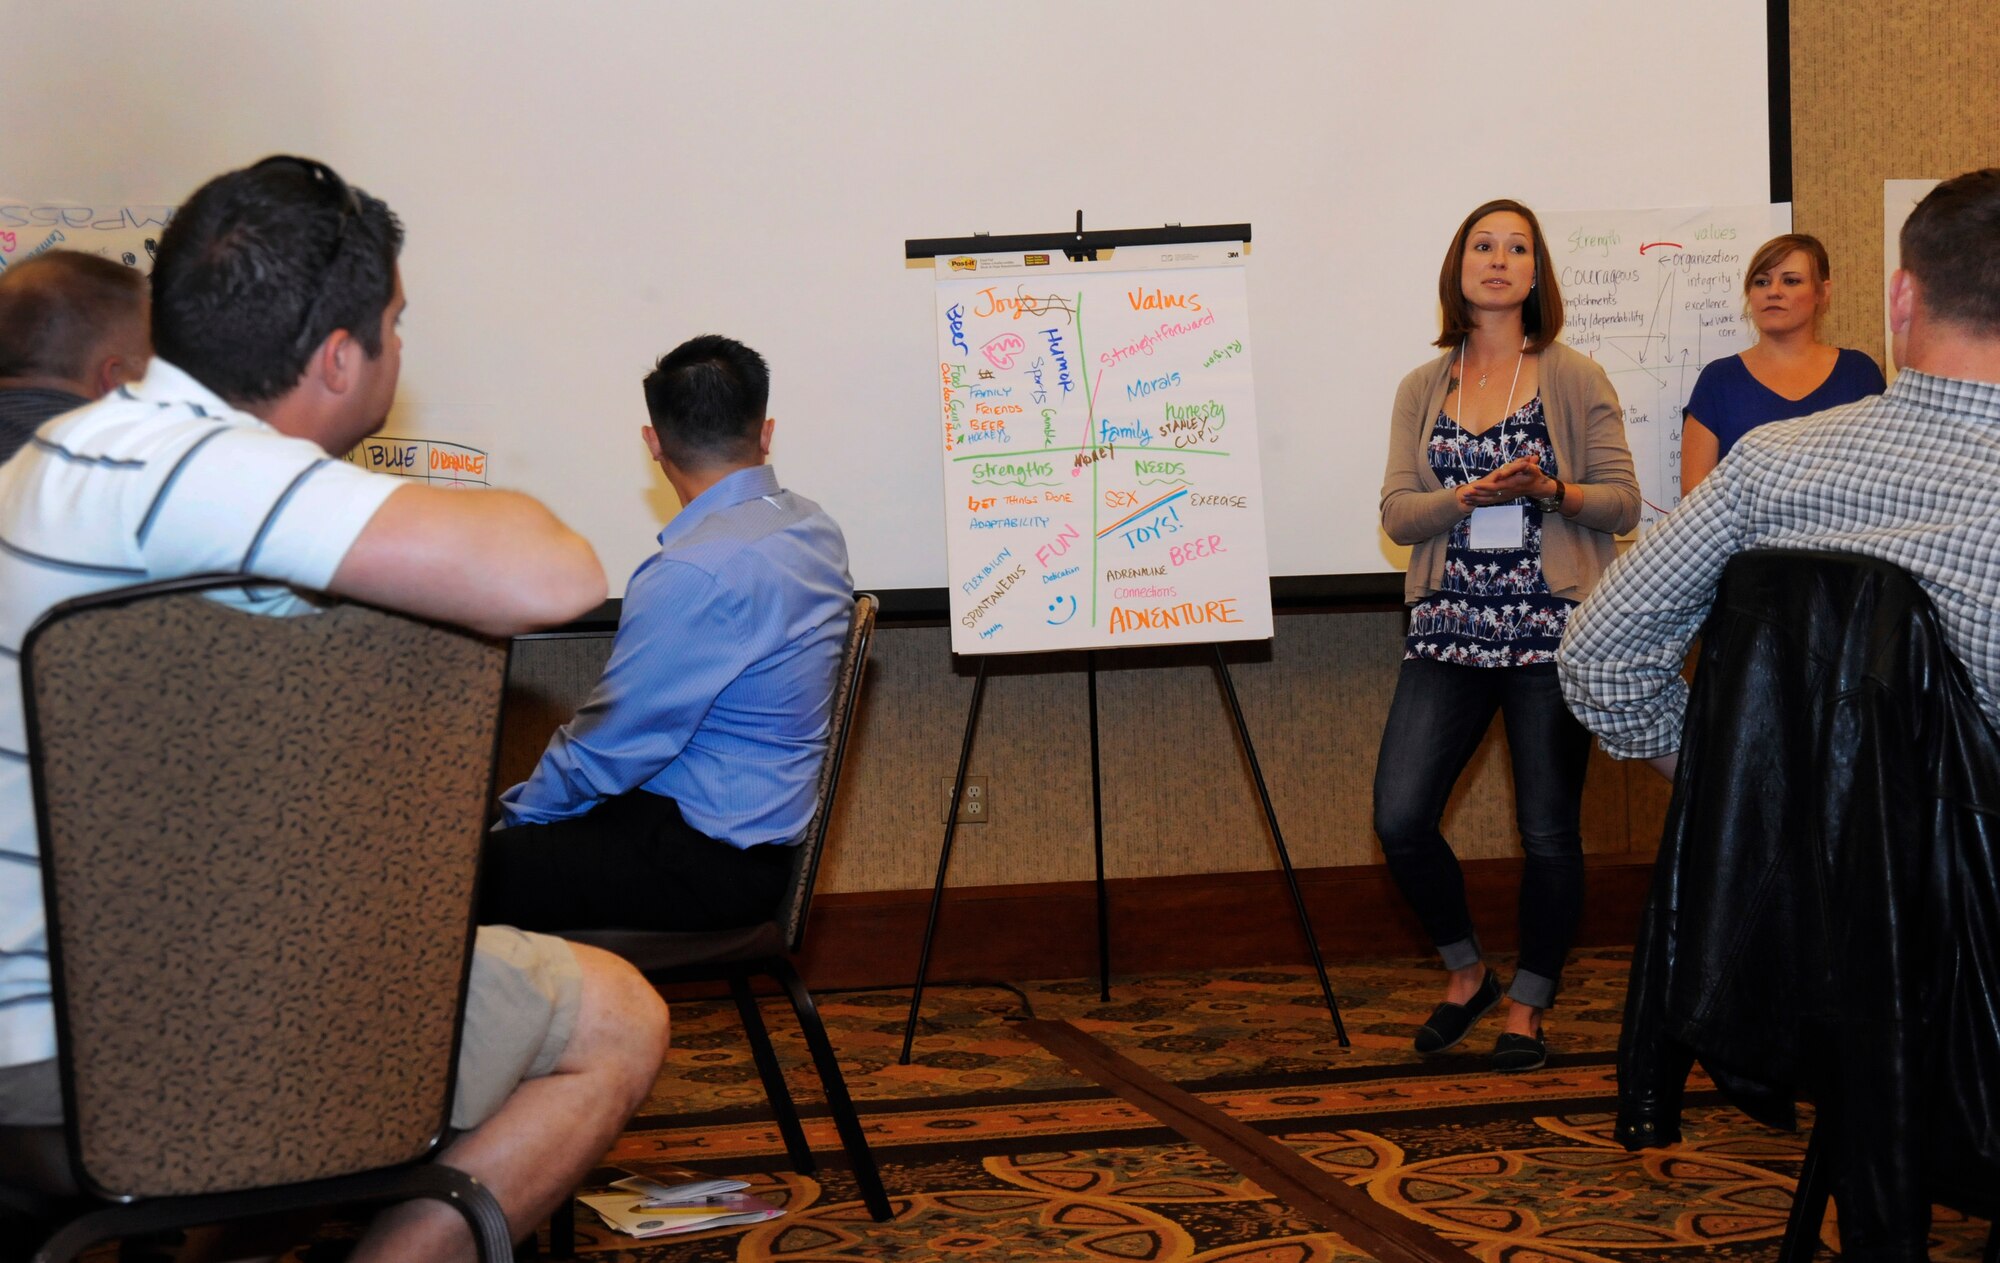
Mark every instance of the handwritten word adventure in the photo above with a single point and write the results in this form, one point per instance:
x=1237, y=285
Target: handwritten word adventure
x=1100, y=451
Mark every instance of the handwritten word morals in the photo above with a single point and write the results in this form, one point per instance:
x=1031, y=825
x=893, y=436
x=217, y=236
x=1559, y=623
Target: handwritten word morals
x=1146, y=386
x=978, y=612
x=1158, y=617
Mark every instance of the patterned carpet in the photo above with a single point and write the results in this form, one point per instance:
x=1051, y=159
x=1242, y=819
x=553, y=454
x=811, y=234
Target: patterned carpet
x=993, y=1149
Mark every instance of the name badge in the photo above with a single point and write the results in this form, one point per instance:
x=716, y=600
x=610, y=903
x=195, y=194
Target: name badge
x=1500, y=527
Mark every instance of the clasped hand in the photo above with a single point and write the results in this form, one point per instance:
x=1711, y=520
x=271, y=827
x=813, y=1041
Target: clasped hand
x=1519, y=477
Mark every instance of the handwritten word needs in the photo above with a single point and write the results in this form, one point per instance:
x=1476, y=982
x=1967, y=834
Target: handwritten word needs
x=1149, y=343
x=1063, y=378
x=1186, y=614
x=1144, y=469
x=972, y=585
x=1160, y=299
x=1000, y=586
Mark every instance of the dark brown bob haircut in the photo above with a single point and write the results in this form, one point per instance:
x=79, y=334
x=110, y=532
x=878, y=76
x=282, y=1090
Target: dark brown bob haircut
x=1541, y=316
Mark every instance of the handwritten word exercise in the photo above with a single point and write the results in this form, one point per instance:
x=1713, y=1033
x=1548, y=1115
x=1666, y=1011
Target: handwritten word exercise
x=1653, y=296
x=1102, y=485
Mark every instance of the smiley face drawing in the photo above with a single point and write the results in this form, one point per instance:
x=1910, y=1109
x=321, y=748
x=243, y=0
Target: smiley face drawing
x=1057, y=605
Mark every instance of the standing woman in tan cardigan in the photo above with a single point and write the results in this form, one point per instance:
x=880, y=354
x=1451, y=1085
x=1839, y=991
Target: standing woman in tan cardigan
x=1508, y=476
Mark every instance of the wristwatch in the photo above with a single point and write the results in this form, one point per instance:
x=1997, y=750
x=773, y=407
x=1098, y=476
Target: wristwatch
x=1554, y=503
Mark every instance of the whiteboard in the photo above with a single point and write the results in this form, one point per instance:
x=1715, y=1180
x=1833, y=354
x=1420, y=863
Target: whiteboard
x=1098, y=426
x=587, y=185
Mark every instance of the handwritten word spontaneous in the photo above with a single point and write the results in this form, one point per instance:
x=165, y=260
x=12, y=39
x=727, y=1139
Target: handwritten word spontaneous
x=972, y=584
x=1022, y=304
x=1019, y=472
x=1160, y=299
x=1000, y=586
x=1147, y=385
x=1055, y=340
x=1186, y=614
x=956, y=316
x=1229, y=352
x=1000, y=352
x=1149, y=343
x=1207, y=546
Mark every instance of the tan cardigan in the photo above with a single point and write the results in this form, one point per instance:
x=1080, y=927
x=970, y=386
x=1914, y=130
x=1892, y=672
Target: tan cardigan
x=1587, y=428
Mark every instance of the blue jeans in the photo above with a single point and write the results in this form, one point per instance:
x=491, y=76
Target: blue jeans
x=1440, y=713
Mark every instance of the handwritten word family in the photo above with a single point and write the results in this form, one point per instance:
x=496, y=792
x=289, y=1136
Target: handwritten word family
x=1100, y=451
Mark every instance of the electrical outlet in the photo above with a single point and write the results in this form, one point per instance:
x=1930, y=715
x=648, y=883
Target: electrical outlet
x=975, y=805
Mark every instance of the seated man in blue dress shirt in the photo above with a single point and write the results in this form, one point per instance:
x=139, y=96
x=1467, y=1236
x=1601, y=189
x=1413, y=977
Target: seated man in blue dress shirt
x=671, y=800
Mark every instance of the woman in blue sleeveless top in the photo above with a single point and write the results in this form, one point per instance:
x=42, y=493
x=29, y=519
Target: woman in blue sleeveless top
x=1788, y=373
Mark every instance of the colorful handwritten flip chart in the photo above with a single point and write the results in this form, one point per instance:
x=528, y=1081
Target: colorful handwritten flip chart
x=1102, y=485
x=129, y=234
x=1653, y=296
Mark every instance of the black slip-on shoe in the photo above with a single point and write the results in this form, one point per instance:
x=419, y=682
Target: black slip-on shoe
x=1514, y=1053
x=1449, y=1022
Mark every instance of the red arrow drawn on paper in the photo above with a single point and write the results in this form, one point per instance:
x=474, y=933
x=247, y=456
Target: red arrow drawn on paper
x=1649, y=245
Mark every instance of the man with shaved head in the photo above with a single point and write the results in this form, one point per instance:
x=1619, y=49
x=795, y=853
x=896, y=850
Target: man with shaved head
x=72, y=329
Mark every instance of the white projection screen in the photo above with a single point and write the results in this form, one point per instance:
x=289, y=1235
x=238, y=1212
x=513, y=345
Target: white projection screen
x=586, y=185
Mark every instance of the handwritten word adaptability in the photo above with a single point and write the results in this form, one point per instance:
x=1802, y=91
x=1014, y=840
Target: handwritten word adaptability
x=1000, y=586
x=1007, y=523
x=1149, y=343
x=1159, y=617
x=986, y=571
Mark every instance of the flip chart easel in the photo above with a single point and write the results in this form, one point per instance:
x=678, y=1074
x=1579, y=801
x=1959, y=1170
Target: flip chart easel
x=979, y=406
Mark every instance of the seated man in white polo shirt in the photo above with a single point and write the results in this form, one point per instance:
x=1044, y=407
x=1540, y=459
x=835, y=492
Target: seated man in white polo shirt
x=275, y=302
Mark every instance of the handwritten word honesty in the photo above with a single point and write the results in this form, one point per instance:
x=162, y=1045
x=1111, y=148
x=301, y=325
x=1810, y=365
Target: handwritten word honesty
x=1149, y=343
x=1000, y=586
x=1158, y=617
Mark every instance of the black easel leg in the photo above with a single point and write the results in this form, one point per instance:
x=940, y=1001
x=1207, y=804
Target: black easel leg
x=944, y=861
x=1097, y=824
x=1284, y=855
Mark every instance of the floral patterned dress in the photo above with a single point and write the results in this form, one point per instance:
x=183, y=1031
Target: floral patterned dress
x=1493, y=608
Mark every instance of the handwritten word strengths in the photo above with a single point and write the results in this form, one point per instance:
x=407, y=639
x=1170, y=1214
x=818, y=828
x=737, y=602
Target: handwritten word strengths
x=1160, y=299
x=1021, y=472
x=1186, y=614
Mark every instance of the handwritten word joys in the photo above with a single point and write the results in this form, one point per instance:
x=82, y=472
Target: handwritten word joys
x=1021, y=472
x=1189, y=424
x=1092, y=457
x=1200, y=501
x=956, y=316
x=1167, y=523
x=1581, y=240
x=1000, y=352
x=1186, y=614
x=1063, y=379
x=1064, y=573
x=1147, y=385
x=1135, y=572
x=1058, y=547
x=1149, y=343
x=972, y=616
x=992, y=303
x=988, y=633
x=1229, y=352
x=1206, y=546
x=1151, y=591
x=1159, y=299
x=1112, y=432
x=1037, y=522
x=472, y=464
x=986, y=571
x=1159, y=468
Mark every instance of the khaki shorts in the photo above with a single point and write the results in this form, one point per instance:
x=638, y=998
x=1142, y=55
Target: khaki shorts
x=520, y=1011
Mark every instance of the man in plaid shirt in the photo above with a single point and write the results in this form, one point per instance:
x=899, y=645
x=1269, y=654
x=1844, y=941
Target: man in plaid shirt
x=1911, y=476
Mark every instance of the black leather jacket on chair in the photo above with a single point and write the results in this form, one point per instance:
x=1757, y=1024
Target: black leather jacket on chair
x=1825, y=913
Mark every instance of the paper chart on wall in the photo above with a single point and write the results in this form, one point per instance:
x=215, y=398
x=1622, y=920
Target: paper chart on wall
x=1102, y=485
x=1653, y=296
x=129, y=234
